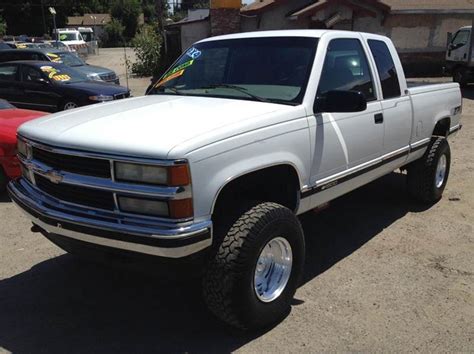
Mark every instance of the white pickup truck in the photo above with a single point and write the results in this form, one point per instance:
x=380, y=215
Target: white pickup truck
x=241, y=135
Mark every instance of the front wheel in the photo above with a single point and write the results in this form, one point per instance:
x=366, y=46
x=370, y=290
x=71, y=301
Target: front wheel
x=254, y=275
x=69, y=105
x=428, y=176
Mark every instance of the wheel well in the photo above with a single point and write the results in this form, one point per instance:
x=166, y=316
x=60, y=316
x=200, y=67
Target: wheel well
x=279, y=184
x=442, y=127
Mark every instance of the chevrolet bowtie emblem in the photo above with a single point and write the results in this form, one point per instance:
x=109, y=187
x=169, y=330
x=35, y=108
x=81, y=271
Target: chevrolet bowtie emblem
x=54, y=176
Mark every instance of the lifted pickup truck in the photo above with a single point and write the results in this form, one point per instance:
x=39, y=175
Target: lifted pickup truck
x=241, y=135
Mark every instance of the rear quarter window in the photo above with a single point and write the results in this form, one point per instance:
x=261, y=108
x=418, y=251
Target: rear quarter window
x=386, y=69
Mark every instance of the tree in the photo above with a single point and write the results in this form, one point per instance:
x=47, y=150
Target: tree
x=127, y=12
x=3, y=27
x=147, y=47
x=113, y=34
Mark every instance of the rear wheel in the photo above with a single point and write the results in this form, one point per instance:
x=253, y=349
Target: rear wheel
x=252, y=279
x=428, y=176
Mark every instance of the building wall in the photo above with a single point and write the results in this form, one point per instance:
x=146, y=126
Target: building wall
x=275, y=18
x=193, y=32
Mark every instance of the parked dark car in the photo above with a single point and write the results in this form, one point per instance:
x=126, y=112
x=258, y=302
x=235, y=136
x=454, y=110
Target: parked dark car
x=97, y=73
x=4, y=46
x=51, y=87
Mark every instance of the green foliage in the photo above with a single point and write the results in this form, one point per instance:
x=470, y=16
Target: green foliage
x=147, y=46
x=113, y=34
x=127, y=12
x=3, y=27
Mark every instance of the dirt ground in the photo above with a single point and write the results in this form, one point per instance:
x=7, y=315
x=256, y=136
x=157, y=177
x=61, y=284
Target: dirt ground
x=382, y=274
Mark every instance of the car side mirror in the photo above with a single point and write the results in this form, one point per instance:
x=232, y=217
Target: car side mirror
x=338, y=101
x=42, y=81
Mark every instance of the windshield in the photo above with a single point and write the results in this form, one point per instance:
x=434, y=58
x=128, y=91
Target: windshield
x=5, y=105
x=69, y=36
x=273, y=69
x=61, y=74
x=65, y=58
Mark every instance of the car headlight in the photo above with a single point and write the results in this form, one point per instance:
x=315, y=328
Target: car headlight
x=23, y=148
x=101, y=98
x=94, y=77
x=143, y=206
x=177, y=175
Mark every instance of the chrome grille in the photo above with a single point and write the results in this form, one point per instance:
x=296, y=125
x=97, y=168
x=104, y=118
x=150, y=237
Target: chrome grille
x=77, y=195
x=74, y=164
x=108, y=76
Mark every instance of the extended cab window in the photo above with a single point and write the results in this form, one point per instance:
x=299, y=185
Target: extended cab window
x=386, y=69
x=271, y=69
x=346, y=68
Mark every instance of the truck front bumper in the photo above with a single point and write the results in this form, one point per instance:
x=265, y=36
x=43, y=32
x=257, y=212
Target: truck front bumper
x=105, y=229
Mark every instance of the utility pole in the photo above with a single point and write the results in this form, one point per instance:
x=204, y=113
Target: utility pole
x=161, y=22
x=52, y=11
x=45, y=30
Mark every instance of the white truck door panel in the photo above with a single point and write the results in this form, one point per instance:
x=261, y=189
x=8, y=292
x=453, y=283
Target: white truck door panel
x=346, y=140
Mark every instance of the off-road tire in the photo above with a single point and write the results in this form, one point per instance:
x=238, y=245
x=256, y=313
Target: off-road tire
x=228, y=285
x=421, y=176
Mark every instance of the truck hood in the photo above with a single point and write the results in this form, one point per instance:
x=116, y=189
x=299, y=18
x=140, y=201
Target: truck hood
x=151, y=126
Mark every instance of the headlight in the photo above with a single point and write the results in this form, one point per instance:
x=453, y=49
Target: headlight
x=94, y=77
x=143, y=206
x=171, y=176
x=176, y=209
x=23, y=148
x=101, y=98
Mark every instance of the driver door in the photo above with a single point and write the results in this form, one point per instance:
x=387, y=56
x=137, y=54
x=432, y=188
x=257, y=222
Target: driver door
x=345, y=142
x=38, y=90
x=458, y=50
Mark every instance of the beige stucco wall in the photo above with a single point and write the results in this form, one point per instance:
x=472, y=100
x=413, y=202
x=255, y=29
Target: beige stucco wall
x=193, y=32
x=411, y=38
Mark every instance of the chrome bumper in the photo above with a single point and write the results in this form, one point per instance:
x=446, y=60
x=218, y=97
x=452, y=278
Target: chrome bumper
x=142, y=235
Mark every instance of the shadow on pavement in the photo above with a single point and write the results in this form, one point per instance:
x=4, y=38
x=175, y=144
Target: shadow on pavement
x=4, y=198
x=64, y=305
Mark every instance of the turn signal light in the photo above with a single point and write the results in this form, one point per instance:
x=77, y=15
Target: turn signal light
x=179, y=176
x=181, y=208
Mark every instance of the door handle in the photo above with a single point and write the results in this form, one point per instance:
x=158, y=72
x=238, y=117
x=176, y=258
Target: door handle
x=378, y=118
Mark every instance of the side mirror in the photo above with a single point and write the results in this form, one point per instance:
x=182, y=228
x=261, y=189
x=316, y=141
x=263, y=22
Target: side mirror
x=42, y=81
x=340, y=102
x=449, y=38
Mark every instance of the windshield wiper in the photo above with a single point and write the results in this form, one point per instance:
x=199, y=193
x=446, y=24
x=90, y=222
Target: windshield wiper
x=173, y=89
x=237, y=88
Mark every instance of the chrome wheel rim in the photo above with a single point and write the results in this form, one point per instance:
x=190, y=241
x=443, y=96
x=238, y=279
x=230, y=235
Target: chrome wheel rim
x=441, y=171
x=273, y=269
x=70, y=105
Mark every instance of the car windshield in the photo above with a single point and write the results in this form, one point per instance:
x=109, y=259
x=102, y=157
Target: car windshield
x=69, y=36
x=66, y=59
x=5, y=105
x=61, y=74
x=272, y=69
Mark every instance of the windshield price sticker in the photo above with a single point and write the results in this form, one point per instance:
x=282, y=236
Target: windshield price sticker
x=63, y=77
x=170, y=77
x=54, y=58
x=194, y=53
